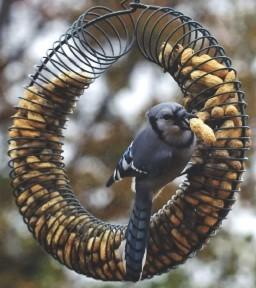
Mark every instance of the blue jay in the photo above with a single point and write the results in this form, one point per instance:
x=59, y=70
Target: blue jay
x=158, y=154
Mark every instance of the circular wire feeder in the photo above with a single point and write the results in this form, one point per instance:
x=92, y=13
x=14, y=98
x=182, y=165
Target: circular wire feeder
x=99, y=37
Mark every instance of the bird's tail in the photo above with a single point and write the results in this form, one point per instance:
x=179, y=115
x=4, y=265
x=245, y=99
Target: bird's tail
x=137, y=235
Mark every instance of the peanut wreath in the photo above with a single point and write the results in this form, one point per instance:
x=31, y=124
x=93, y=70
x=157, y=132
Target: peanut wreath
x=211, y=89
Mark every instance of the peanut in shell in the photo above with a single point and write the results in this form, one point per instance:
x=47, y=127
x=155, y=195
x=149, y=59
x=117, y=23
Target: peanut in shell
x=202, y=131
x=217, y=112
x=186, y=56
x=207, y=64
x=165, y=51
x=204, y=115
x=206, y=79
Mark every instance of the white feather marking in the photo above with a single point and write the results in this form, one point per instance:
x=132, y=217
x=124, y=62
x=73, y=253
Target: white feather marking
x=137, y=170
x=133, y=185
x=125, y=165
x=118, y=175
x=143, y=263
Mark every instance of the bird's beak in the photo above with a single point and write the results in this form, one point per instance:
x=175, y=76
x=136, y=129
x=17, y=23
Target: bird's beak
x=185, y=124
x=185, y=121
x=190, y=115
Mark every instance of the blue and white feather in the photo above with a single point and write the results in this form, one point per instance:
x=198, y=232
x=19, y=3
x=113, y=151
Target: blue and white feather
x=125, y=167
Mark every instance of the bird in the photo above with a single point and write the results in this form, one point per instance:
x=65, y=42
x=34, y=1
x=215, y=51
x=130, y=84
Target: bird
x=156, y=156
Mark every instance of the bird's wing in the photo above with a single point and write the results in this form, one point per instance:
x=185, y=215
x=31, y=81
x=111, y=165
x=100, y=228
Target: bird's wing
x=126, y=167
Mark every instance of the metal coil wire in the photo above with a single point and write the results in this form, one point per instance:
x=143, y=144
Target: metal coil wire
x=181, y=47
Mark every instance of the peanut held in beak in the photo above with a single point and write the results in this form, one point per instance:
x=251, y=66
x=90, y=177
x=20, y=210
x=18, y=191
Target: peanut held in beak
x=202, y=131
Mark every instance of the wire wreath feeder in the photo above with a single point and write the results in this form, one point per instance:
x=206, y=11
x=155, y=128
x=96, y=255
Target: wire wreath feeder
x=193, y=57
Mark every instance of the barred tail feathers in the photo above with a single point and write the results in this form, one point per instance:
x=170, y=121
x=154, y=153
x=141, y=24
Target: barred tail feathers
x=137, y=235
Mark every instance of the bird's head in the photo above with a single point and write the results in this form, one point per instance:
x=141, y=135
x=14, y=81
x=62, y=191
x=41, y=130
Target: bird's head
x=170, y=121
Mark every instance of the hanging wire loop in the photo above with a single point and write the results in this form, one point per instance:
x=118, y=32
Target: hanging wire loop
x=134, y=4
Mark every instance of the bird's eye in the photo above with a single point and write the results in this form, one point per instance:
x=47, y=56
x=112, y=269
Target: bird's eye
x=167, y=116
